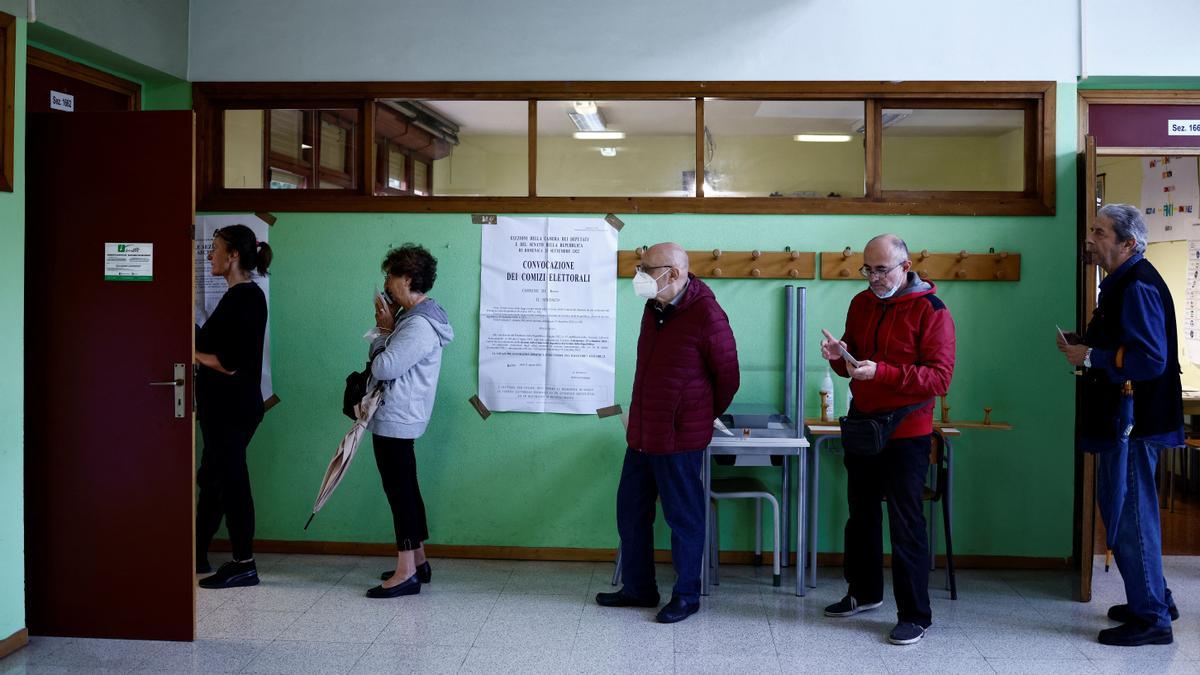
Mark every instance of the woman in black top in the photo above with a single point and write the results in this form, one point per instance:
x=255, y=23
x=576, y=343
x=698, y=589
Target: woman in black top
x=229, y=404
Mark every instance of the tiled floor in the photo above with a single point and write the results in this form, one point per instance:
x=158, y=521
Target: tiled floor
x=309, y=616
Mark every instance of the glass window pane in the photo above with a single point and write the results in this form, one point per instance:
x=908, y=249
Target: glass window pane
x=243, y=149
x=288, y=138
x=953, y=149
x=292, y=148
x=457, y=148
x=397, y=173
x=616, y=148
x=784, y=149
x=420, y=178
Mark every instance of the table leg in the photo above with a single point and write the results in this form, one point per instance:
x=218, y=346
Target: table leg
x=813, y=486
x=801, y=522
x=785, y=490
x=706, y=481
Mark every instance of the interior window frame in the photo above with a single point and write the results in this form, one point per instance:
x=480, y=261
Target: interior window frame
x=1037, y=99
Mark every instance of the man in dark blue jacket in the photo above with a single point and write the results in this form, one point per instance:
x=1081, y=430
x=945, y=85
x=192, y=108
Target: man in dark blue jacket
x=1130, y=349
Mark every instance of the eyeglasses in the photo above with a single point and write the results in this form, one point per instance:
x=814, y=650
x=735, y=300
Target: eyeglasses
x=869, y=272
x=647, y=268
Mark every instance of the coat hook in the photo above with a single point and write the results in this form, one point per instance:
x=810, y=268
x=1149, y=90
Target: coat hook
x=639, y=250
x=755, y=254
x=755, y=272
x=1001, y=255
x=794, y=273
x=998, y=274
x=795, y=255
x=924, y=254
x=962, y=255
x=716, y=253
x=960, y=274
x=844, y=273
x=716, y=271
x=846, y=253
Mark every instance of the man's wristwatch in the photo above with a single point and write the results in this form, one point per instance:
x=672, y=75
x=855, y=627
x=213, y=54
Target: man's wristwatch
x=1087, y=358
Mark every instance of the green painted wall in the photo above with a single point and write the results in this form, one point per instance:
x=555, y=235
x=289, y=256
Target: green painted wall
x=12, y=364
x=550, y=480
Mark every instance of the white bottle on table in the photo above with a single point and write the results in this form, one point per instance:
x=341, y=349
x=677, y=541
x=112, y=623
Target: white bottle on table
x=827, y=413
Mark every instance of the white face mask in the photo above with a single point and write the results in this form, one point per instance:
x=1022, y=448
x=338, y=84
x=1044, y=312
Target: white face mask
x=889, y=293
x=646, y=286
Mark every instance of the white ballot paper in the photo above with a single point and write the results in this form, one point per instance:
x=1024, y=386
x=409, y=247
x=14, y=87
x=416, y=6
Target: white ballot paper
x=547, y=315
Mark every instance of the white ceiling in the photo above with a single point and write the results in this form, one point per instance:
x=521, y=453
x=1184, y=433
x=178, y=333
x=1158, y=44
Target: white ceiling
x=723, y=118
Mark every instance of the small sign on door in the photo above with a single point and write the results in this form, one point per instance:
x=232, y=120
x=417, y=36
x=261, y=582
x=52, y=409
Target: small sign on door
x=128, y=262
x=61, y=101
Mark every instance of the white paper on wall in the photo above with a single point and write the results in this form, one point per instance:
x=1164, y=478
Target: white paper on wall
x=547, y=315
x=1170, y=198
x=1191, y=312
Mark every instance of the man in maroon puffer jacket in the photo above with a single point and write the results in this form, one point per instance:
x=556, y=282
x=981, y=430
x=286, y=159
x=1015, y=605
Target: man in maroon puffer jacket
x=687, y=373
x=903, y=337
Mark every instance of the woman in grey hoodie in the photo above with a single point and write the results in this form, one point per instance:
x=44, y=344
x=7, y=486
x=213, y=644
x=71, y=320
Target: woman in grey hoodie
x=407, y=357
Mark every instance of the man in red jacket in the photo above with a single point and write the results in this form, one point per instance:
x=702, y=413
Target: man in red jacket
x=687, y=373
x=903, y=337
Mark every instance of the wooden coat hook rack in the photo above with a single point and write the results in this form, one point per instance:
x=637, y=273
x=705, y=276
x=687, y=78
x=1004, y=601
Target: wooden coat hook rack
x=956, y=266
x=718, y=264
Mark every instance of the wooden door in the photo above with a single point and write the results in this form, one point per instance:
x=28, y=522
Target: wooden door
x=1085, y=464
x=109, y=454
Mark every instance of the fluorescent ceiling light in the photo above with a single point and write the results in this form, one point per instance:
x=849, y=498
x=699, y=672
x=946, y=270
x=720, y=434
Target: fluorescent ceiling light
x=599, y=135
x=586, y=116
x=822, y=138
x=608, y=152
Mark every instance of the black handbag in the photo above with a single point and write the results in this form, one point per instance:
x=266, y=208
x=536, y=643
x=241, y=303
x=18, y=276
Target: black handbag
x=865, y=434
x=356, y=389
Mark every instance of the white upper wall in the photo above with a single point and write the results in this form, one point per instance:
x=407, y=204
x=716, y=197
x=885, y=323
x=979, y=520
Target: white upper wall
x=322, y=40
x=151, y=32
x=1142, y=38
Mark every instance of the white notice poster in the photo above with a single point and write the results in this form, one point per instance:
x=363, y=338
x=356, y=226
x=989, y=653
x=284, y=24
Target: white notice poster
x=209, y=289
x=547, y=316
x=1170, y=196
x=1191, y=312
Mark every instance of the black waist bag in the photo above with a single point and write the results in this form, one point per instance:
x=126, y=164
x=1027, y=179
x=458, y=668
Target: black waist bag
x=864, y=434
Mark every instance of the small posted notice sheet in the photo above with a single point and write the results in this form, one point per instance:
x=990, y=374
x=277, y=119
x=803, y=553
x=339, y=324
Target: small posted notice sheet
x=547, y=317
x=128, y=262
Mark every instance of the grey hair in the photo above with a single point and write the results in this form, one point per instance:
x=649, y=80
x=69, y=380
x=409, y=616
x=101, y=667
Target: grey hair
x=1127, y=223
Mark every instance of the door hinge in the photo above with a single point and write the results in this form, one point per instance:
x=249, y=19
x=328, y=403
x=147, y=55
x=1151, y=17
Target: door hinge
x=193, y=232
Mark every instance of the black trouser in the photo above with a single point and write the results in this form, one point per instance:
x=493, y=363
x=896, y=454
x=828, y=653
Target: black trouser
x=897, y=473
x=224, y=483
x=398, y=471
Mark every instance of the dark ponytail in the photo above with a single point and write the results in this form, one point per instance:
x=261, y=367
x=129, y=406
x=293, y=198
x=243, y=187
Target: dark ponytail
x=252, y=254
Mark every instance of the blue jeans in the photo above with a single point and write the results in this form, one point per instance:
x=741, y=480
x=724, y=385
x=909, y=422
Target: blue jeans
x=1128, y=495
x=675, y=478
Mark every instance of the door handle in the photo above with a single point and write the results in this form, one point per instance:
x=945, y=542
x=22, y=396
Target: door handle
x=178, y=383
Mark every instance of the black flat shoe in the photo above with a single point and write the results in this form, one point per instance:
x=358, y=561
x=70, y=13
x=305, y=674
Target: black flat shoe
x=232, y=575
x=424, y=573
x=1136, y=634
x=676, y=610
x=410, y=586
x=622, y=599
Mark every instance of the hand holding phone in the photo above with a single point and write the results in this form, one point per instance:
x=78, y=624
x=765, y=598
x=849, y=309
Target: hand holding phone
x=832, y=341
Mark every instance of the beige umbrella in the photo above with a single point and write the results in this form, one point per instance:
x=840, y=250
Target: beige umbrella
x=346, y=450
